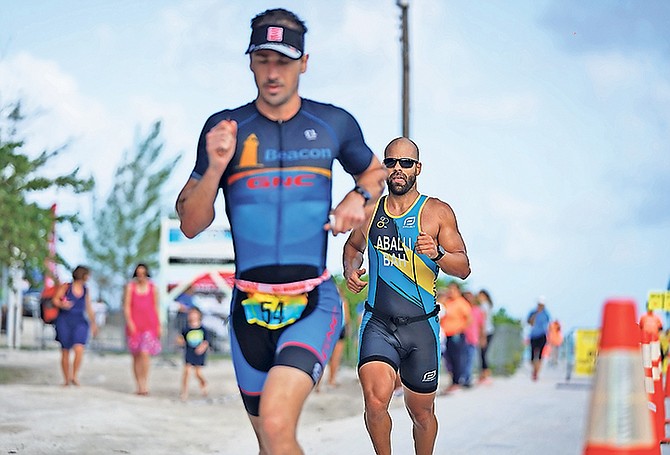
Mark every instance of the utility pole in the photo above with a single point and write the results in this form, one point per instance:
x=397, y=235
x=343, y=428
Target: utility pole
x=404, y=6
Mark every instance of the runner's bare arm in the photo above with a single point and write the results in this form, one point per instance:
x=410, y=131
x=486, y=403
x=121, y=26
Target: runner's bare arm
x=91, y=314
x=58, y=295
x=195, y=204
x=350, y=213
x=441, y=222
x=59, y=300
x=352, y=259
x=157, y=304
x=126, y=308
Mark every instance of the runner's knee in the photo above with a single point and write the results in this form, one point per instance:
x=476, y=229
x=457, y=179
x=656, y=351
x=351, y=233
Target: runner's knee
x=377, y=400
x=277, y=430
x=422, y=415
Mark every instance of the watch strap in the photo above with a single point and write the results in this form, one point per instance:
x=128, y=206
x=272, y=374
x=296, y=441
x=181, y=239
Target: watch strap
x=363, y=192
x=440, y=254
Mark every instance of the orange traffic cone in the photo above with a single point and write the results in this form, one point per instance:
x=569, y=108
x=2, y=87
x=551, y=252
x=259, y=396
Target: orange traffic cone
x=619, y=420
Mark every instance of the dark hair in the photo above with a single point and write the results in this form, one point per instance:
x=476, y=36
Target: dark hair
x=279, y=16
x=80, y=272
x=398, y=139
x=145, y=268
x=488, y=296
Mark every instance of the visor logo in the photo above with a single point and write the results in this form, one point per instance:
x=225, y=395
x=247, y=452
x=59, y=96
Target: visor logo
x=275, y=34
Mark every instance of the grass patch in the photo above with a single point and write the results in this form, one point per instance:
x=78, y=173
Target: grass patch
x=13, y=375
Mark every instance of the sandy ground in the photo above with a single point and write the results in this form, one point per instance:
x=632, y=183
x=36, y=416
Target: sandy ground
x=103, y=416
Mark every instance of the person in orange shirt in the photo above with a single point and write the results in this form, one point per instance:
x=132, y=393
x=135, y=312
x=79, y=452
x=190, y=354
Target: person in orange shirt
x=650, y=323
x=554, y=341
x=457, y=316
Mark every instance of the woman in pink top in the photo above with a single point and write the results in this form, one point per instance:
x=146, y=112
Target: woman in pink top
x=474, y=333
x=143, y=328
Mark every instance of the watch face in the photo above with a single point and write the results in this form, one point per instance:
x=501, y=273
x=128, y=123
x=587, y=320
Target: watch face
x=440, y=253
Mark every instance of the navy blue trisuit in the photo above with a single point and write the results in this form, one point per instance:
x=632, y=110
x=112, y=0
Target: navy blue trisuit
x=285, y=307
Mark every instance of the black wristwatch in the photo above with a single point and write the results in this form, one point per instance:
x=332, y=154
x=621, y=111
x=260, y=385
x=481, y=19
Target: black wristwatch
x=440, y=254
x=363, y=192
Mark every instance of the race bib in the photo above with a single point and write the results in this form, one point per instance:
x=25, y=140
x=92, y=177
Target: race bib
x=273, y=311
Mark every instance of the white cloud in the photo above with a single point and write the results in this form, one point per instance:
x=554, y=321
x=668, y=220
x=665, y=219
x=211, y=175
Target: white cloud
x=58, y=113
x=613, y=72
x=61, y=112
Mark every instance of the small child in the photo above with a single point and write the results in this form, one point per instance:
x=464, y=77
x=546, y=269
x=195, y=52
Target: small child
x=196, y=340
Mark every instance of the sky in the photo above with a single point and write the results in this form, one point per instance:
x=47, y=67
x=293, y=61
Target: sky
x=544, y=124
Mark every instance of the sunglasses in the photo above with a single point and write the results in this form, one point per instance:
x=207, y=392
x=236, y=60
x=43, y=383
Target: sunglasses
x=405, y=163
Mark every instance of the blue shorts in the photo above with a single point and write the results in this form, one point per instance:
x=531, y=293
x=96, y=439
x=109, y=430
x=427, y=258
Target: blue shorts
x=306, y=344
x=71, y=331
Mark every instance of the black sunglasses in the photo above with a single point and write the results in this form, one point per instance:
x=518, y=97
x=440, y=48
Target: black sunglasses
x=405, y=163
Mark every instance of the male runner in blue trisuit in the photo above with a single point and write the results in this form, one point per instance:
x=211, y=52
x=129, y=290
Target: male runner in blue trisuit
x=273, y=159
x=410, y=237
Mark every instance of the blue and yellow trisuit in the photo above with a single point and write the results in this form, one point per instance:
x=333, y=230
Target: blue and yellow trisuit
x=400, y=325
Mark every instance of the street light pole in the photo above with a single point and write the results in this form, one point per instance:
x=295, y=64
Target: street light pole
x=404, y=6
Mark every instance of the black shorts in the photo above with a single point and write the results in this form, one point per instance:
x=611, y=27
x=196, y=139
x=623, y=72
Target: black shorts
x=537, y=346
x=414, y=349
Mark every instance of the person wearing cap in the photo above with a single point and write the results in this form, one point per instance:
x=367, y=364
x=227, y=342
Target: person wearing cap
x=272, y=158
x=538, y=319
x=410, y=238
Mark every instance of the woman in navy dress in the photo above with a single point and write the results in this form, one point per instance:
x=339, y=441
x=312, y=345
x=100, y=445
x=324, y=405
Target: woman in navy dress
x=72, y=326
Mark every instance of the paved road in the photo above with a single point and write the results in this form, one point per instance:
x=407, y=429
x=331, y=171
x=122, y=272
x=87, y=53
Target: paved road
x=514, y=416
x=510, y=416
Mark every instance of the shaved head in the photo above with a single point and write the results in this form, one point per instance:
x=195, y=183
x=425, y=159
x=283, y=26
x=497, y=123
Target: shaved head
x=408, y=147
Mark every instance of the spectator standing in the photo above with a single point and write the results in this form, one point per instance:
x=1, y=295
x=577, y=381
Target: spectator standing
x=474, y=335
x=457, y=316
x=554, y=341
x=486, y=306
x=195, y=340
x=143, y=328
x=650, y=323
x=72, y=327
